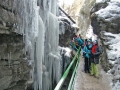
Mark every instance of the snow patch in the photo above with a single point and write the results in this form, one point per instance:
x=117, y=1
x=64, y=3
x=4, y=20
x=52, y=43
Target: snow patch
x=111, y=10
x=65, y=50
x=117, y=86
x=90, y=33
x=114, y=43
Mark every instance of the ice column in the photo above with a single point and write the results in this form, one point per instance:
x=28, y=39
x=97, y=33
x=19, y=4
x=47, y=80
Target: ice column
x=40, y=29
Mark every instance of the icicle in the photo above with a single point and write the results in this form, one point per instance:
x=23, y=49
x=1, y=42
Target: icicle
x=40, y=52
x=9, y=60
x=34, y=27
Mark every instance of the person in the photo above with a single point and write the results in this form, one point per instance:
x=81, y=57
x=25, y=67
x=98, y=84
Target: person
x=89, y=47
x=86, y=50
x=72, y=43
x=76, y=42
x=95, y=53
x=80, y=40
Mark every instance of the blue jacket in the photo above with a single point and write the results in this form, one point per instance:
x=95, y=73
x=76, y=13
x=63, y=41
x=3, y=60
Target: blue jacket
x=86, y=51
x=89, y=46
x=73, y=45
x=80, y=41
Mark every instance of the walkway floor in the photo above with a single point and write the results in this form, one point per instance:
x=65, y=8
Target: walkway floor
x=84, y=81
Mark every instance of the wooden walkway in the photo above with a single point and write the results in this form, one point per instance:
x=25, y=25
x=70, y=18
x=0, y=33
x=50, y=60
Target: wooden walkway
x=84, y=81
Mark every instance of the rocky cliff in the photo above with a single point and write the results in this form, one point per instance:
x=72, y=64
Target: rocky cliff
x=83, y=19
x=29, y=37
x=14, y=69
x=105, y=19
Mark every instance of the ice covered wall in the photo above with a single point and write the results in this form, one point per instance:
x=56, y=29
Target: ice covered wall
x=18, y=30
x=67, y=30
x=29, y=31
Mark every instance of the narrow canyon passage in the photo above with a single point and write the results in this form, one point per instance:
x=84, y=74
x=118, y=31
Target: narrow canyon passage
x=84, y=81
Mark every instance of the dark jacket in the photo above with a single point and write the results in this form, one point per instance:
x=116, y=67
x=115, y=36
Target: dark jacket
x=95, y=56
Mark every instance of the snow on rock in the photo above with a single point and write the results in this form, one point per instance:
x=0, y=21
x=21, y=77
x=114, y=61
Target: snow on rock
x=65, y=52
x=112, y=10
x=90, y=33
x=66, y=24
x=105, y=17
x=117, y=86
x=105, y=20
x=112, y=41
x=67, y=29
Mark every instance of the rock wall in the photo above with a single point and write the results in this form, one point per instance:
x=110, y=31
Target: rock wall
x=83, y=20
x=14, y=69
x=104, y=19
x=29, y=55
x=69, y=33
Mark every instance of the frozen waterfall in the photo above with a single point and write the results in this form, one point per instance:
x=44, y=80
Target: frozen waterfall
x=37, y=21
x=40, y=28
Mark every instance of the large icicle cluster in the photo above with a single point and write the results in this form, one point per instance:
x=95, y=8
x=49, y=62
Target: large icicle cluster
x=40, y=28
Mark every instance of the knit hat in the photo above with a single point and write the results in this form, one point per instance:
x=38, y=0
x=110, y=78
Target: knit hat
x=88, y=40
x=95, y=42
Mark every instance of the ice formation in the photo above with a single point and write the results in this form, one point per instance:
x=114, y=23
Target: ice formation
x=40, y=28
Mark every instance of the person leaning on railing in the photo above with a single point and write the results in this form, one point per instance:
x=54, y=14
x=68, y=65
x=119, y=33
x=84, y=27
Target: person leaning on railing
x=72, y=44
x=80, y=41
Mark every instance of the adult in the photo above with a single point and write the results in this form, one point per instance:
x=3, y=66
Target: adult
x=89, y=47
x=86, y=52
x=72, y=43
x=80, y=40
x=95, y=53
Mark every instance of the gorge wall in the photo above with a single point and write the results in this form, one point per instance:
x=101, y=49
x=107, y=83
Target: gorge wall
x=83, y=18
x=29, y=35
x=105, y=19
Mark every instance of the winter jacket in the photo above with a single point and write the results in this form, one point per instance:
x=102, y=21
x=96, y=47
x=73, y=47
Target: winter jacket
x=86, y=52
x=73, y=45
x=80, y=41
x=96, y=54
x=89, y=47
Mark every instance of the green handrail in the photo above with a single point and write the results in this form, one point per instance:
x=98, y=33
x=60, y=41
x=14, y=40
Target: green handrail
x=60, y=83
x=70, y=87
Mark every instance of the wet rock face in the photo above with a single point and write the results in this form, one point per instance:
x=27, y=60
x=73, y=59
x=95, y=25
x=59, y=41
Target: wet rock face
x=66, y=32
x=9, y=17
x=94, y=22
x=14, y=69
x=64, y=39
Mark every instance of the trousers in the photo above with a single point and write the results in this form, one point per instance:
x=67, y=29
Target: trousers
x=94, y=69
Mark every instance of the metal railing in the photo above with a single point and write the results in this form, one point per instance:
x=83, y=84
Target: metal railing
x=71, y=84
x=60, y=83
